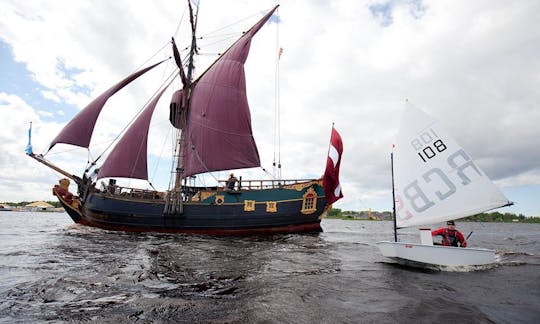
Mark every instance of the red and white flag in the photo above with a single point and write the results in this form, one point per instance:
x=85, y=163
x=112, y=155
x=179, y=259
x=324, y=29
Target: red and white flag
x=332, y=188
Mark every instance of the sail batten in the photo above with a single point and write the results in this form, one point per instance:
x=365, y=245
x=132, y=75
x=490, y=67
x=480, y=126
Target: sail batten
x=79, y=130
x=435, y=179
x=219, y=134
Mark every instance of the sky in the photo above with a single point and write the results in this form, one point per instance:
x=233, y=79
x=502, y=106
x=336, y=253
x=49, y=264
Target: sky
x=473, y=65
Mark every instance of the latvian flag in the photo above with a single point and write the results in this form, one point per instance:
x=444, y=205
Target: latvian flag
x=332, y=188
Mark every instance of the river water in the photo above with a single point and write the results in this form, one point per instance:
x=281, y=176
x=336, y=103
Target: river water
x=52, y=270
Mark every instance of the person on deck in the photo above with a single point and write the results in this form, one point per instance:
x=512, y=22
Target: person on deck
x=231, y=182
x=450, y=235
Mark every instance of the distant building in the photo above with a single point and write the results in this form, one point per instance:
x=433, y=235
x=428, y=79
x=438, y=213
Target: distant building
x=39, y=206
x=5, y=207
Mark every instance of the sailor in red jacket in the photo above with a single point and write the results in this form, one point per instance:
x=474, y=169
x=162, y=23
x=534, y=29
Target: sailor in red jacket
x=450, y=235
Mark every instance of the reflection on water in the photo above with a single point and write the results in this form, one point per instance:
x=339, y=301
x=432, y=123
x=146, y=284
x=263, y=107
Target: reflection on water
x=53, y=270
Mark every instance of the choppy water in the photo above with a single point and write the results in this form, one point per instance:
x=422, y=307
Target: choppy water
x=54, y=271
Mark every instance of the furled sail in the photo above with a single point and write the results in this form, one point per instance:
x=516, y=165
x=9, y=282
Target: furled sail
x=176, y=109
x=218, y=131
x=434, y=178
x=128, y=159
x=79, y=130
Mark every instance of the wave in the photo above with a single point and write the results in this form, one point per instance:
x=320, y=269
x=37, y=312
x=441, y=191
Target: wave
x=508, y=253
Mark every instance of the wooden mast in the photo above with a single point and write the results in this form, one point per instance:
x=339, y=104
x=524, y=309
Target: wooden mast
x=186, y=97
x=174, y=200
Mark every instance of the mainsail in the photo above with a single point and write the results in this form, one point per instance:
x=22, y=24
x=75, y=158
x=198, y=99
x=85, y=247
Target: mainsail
x=218, y=131
x=434, y=178
x=79, y=130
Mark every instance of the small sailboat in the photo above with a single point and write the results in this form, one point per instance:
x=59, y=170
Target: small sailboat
x=212, y=121
x=435, y=180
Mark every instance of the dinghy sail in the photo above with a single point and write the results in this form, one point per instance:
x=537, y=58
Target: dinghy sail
x=435, y=180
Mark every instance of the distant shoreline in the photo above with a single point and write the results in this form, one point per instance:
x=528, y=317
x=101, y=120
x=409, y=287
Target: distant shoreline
x=349, y=218
x=494, y=217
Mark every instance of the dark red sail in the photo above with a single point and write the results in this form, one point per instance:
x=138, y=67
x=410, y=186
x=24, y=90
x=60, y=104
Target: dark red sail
x=218, y=132
x=79, y=130
x=128, y=159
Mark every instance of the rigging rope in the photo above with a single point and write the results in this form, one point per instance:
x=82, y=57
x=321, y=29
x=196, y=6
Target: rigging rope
x=180, y=22
x=277, y=120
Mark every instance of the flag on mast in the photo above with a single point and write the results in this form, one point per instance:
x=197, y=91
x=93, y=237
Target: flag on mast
x=332, y=187
x=28, y=149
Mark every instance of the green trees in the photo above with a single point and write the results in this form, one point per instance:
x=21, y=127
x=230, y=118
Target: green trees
x=500, y=217
x=484, y=217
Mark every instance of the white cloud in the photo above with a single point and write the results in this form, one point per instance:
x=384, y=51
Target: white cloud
x=45, y=114
x=472, y=65
x=51, y=96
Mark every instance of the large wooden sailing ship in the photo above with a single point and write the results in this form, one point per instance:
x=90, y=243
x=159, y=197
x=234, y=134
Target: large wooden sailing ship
x=213, y=119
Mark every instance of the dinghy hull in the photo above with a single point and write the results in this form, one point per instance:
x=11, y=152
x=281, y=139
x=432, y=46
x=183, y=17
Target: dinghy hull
x=414, y=253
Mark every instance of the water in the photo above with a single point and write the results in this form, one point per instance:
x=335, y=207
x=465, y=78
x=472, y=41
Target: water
x=52, y=270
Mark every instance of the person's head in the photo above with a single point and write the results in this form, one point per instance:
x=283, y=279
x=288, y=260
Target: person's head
x=450, y=224
x=232, y=175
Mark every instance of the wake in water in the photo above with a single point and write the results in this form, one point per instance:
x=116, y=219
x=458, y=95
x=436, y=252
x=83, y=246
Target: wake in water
x=511, y=258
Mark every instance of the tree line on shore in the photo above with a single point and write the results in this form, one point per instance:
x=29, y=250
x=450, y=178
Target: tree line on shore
x=387, y=215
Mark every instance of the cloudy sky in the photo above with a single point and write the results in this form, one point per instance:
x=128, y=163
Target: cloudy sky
x=473, y=65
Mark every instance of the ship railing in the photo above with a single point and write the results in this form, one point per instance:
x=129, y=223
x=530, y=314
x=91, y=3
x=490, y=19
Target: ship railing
x=133, y=192
x=264, y=184
x=241, y=185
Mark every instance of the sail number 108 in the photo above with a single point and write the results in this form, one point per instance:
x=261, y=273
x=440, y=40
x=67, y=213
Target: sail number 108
x=428, y=144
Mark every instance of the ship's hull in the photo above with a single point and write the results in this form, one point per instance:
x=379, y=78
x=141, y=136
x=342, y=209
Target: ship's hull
x=268, y=211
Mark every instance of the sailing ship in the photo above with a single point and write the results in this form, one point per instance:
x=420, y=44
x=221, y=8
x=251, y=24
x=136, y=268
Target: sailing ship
x=212, y=119
x=435, y=180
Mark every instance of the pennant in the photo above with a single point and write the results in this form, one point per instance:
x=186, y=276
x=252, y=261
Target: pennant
x=332, y=187
x=28, y=149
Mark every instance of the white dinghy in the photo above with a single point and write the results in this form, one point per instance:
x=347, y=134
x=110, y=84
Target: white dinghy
x=434, y=180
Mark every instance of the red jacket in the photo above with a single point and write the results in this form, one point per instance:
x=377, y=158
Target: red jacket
x=450, y=237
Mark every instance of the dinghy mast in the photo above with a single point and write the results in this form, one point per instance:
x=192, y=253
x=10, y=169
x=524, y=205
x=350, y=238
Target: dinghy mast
x=393, y=196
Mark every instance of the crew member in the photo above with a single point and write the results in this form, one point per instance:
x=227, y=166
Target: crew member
x=231, y=182
x=450, y=235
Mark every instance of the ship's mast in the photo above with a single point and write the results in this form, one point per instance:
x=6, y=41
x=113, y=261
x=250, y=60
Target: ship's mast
x=186, y=95
x=193, y=20
x=175, y=197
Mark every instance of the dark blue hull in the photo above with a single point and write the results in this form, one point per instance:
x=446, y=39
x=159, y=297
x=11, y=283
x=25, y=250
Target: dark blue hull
x=230, y=216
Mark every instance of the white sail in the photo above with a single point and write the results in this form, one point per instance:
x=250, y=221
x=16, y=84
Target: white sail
x=434, y=178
